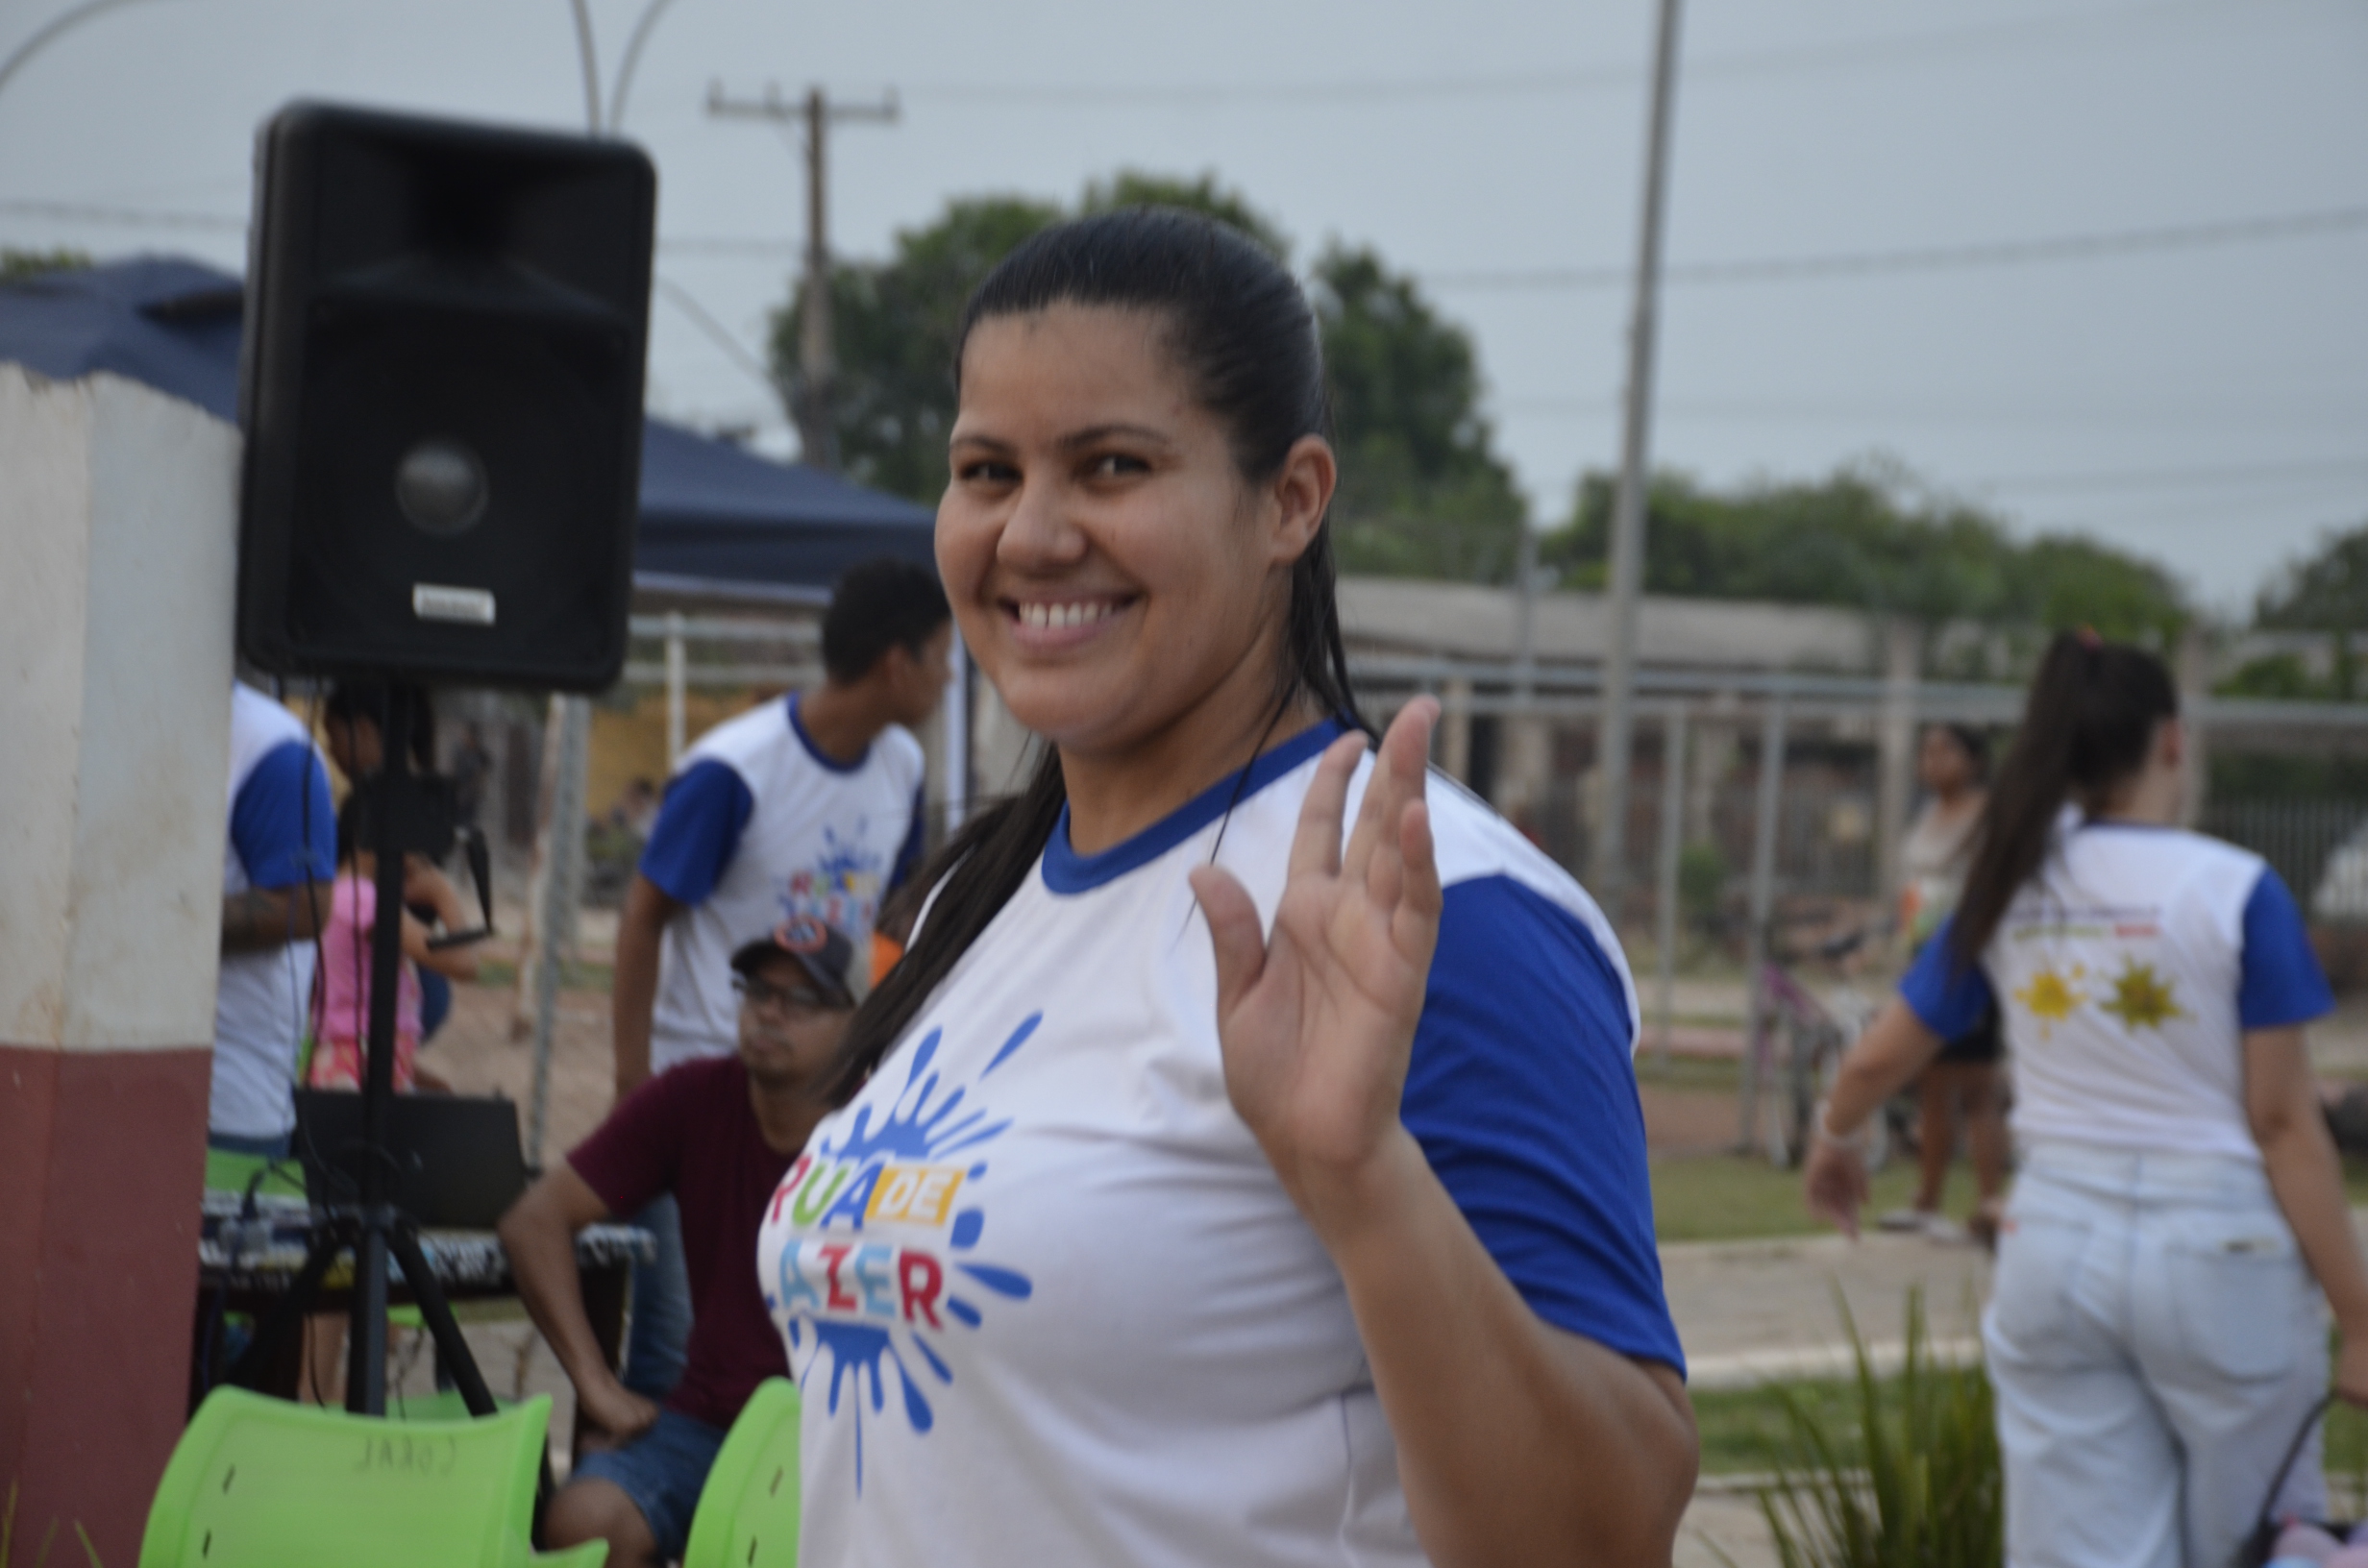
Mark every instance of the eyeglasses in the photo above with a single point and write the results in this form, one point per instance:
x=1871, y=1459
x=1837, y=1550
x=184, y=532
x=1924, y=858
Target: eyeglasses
x=801, y=999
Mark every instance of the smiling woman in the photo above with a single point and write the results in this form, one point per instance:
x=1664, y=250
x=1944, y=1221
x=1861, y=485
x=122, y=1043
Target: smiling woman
x=1289, y=1187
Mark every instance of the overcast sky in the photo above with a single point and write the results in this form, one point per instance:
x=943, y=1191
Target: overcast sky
x=2205, y=403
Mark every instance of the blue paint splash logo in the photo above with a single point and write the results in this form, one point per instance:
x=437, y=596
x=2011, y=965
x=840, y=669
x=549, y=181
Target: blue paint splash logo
x=870, y=1304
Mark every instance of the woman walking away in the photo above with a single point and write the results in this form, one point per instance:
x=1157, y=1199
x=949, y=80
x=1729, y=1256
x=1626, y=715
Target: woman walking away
x=2152, y=1331
x=1207, y=1188
x=1952, y=764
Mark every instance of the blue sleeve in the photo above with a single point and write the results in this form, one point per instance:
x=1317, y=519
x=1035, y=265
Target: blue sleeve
x=916, y=842
x=1524, y=1096
x=698, y=829
x=2280, y=982
x=283, y=823
x=1949, y=1001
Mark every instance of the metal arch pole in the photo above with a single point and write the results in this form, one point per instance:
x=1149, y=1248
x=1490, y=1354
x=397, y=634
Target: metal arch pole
x=1626, y=570
x=624, y=84
x=58, y=25
x=590, y=55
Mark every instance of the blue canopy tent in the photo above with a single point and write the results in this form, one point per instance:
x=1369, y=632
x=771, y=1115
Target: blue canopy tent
x=714, y=518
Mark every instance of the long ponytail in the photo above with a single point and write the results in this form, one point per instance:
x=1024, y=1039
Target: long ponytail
x=1240, y=329
x=2087, y=726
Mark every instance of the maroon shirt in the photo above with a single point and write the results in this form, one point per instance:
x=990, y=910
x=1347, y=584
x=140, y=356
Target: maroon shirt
x=692, y=1132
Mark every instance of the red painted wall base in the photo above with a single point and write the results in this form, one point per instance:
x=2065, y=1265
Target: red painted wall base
x=102, y=1164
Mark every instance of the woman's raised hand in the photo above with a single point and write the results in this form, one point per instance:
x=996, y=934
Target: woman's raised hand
x=1317, y=1021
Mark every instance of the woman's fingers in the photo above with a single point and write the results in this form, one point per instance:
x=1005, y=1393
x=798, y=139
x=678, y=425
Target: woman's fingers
x=1234, y=932
x=1414, y=923
x=1400, y=770
x=1316, y=847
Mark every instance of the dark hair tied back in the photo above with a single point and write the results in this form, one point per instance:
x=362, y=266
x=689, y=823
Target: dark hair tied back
x=2087, y=725
x=1242, y=332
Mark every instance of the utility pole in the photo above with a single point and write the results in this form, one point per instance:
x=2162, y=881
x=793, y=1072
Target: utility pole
x=1627, y=563
x=817, y=359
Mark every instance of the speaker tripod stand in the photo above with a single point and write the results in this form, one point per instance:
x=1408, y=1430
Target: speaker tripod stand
x=401, y=814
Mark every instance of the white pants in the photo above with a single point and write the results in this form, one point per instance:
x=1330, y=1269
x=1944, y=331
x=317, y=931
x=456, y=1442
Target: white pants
x=2156, y=1342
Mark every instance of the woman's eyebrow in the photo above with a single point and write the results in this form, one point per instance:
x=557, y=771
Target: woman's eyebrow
x=1092, y=434
x=971, y=439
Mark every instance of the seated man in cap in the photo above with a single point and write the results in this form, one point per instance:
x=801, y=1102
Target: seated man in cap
x=719, y=1133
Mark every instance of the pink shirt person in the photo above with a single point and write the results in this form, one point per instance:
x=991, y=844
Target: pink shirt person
x=342, y=1003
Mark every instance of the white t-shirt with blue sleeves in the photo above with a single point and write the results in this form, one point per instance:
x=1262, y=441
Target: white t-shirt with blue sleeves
x=760, y=824
x=282, y=833
x=2125, y=976
x=1048, y=1302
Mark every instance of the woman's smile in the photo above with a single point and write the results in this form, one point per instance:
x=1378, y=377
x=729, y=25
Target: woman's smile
x=1057, y=624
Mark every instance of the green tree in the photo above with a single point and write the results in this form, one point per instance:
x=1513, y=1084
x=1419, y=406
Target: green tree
x=1422, y=494
x=17, y=265
x=1864, y=538
x=894, y=323
x=1131, y=187
x=2324, y=591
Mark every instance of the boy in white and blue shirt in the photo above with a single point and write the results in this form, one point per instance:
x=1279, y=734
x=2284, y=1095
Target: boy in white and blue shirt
x=277, y=863
x=808, y=807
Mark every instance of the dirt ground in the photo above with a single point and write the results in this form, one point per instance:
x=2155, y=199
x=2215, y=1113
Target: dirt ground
x=475, y=1053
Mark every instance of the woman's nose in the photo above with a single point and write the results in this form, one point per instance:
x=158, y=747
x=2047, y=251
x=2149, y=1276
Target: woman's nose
x=1040, y=531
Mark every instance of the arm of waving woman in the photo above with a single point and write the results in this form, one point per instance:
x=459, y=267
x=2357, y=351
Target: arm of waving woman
x=1886, y=1058
x=1516, y=1443
x=2281, y=1103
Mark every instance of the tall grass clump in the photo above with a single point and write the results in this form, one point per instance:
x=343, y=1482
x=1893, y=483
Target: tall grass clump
x=1920, y=1487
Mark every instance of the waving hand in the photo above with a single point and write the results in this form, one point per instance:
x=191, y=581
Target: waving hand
x=1318, y=1019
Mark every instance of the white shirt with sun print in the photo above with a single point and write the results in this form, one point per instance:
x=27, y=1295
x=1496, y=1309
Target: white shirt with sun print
x=1046, y=1298
x=2126, y=975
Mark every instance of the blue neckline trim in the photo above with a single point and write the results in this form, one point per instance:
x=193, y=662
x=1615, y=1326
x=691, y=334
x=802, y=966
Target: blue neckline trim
x=1065, y=870
x=822, y=758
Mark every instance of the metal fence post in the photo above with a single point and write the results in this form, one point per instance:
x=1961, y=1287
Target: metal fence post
x=1763, y=900
x=1666, y=889
x=675, y=680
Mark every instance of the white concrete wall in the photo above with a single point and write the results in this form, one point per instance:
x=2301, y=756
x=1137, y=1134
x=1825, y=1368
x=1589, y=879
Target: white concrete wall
x=118, y=541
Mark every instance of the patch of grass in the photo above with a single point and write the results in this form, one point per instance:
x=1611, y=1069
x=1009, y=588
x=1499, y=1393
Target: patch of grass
x=1725, y=1197
x=502, y=973
x=1749, y=1430
x=1722, y=1073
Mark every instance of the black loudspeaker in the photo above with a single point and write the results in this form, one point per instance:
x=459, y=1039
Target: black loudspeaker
x=441, y=381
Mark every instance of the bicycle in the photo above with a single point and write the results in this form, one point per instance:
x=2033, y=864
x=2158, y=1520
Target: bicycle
x=1784, y=1082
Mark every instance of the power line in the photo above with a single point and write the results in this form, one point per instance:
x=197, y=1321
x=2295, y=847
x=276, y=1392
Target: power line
x=1624, y=77
x=2153, y=479
x=131, y=216
x=1928, y=258
x=716, y=333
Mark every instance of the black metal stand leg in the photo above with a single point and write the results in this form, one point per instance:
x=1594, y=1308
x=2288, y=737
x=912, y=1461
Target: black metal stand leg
x=451, y=1349
x=365, y=1339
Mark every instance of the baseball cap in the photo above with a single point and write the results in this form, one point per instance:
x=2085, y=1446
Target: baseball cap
x=823, y=951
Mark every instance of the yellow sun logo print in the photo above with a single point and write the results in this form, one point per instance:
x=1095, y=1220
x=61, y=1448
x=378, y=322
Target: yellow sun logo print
x=2051, y=997
x=2142, y=999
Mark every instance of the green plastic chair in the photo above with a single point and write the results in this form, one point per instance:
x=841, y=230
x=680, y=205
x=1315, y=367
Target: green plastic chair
x=258, y=1482
x=230, y=1172
x=748, y=1512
